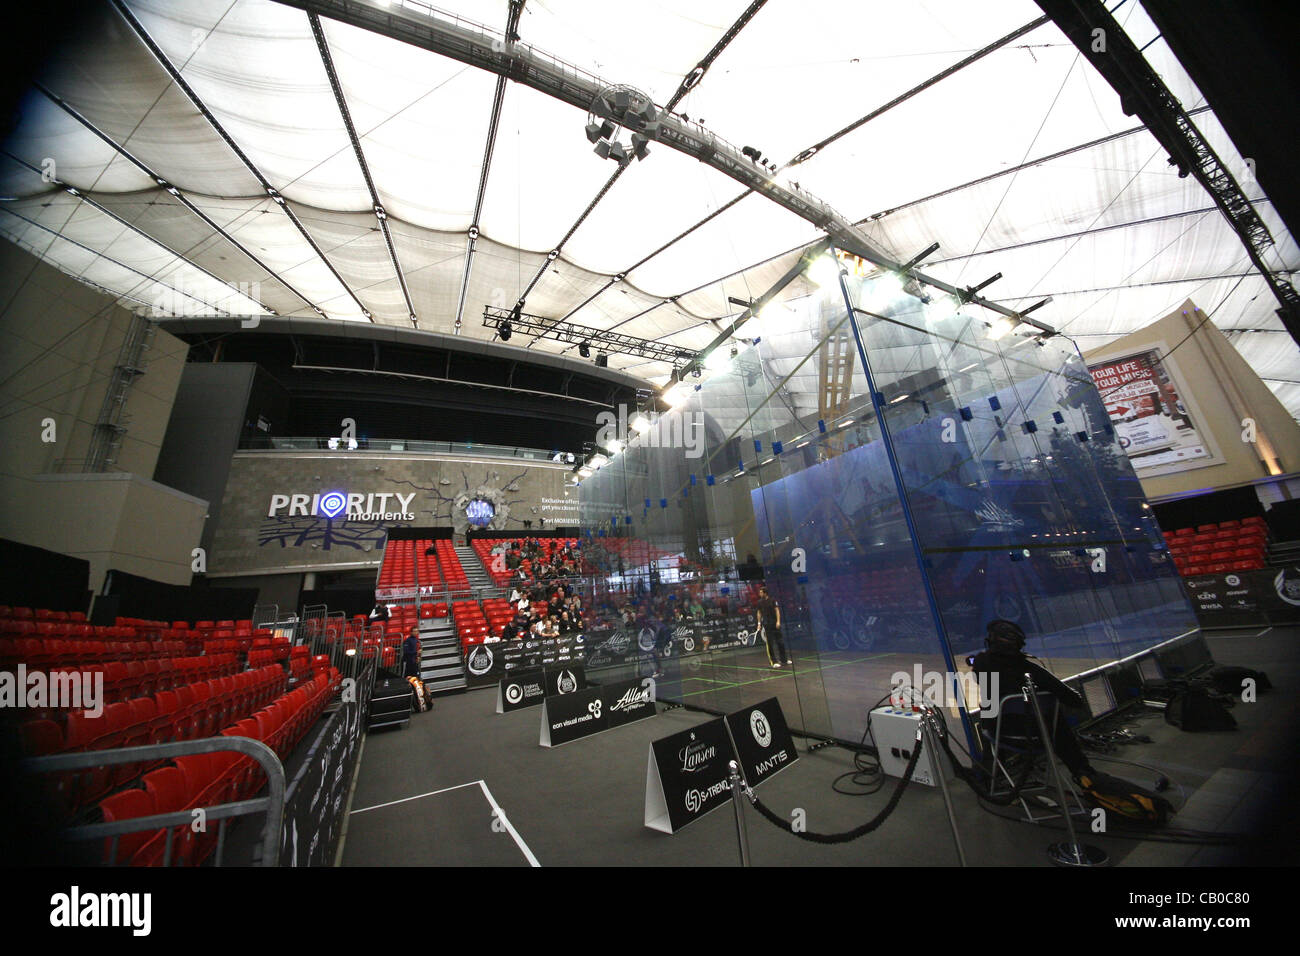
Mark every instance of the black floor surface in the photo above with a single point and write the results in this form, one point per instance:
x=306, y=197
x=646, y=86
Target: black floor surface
x=463, y=785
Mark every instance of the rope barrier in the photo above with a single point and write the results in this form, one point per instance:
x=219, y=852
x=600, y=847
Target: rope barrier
x=848, y=835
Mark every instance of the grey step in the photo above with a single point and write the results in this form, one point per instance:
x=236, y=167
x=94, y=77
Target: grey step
x=452, y=661
x=443, y=678
x=441, y=673
x=445, y=686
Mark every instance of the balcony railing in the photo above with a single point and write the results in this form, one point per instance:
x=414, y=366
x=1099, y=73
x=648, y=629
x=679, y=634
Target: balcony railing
x=398, y=445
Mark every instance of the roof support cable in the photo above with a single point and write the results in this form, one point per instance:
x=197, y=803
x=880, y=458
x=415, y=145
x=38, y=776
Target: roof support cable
x=328, y=60
x=220, y=130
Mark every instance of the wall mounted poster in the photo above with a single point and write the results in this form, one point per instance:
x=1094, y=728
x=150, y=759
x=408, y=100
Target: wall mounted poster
x=1151, y=415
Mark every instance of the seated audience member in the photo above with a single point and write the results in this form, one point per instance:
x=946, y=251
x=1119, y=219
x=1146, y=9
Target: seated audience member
x=1003, y=666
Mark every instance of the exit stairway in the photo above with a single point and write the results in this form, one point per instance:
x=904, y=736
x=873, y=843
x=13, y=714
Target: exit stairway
x=441, y=667
x=472, y=565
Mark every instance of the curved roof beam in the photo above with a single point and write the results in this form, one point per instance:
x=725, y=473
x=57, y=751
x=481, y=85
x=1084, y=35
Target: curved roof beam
x=477, y=46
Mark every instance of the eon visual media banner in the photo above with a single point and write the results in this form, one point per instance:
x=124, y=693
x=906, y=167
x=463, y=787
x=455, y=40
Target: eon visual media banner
x=1150, y=413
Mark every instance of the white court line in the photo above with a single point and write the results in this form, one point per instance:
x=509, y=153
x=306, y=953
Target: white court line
x=510, y=828
x=431, y=793
x=1236, y=637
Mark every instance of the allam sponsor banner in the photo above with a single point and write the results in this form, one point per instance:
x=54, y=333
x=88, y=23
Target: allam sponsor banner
x=569, y=717
x=687, y=775
x=762, y=740
x=1149, y=412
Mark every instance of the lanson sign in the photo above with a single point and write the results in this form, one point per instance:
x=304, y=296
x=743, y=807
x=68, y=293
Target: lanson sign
x=334, y=504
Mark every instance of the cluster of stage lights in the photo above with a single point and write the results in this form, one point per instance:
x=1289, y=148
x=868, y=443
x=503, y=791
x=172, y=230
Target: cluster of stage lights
x=633, y=111
x=824, y=270
x=639, y=423
x=889, y=286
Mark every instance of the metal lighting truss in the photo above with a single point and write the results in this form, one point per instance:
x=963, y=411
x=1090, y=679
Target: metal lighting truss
x=522, y=323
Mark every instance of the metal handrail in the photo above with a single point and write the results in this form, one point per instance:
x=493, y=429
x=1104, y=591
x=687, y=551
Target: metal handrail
x=384, y=445
x=272, y=803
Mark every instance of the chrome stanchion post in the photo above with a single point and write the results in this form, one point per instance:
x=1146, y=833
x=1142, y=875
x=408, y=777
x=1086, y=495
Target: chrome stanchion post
x=930, y=735
x=1073, y=853
x=742, y=834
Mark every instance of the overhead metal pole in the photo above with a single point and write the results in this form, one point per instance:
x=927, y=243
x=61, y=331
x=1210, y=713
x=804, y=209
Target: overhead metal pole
x=327, y=59
x=494, y=122
x=1103, y=43
x=476, y=45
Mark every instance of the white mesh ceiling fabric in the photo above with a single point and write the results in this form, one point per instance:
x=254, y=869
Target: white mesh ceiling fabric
x=1021, y=163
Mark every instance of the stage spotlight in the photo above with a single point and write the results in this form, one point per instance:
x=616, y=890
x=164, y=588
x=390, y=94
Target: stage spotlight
x=718, y=360
x=602, y=149
x=1001, y=327
x=504, y=331
x=618, y=153
x=614, y=446
x=883, y=291
x=678, y=394
x=640, y=146
x=640, y=423
x=823, y=270
x=584, y=349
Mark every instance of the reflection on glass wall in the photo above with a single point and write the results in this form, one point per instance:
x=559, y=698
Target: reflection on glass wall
x=967, y=472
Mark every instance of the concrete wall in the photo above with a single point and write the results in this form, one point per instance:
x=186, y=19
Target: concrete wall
x=247, y=540
x=1224, y=391
x=203, y=434
x=59, y=343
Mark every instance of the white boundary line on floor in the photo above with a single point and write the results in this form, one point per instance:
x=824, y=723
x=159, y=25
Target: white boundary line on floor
x=497, y=813
x=510, y=828
x=420, y=796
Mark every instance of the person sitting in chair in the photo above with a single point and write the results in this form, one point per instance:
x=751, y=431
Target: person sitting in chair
x=1001, y=668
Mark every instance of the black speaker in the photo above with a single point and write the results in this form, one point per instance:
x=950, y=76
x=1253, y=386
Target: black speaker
x=602, y=360
x=390, y=702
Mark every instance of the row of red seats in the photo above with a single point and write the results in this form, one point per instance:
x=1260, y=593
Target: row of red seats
x=470, y=623
x=207, y=780
x=41, y=654
x=404, y=560
x=1218, y=548
x=39, y=614
x=124, y=680
x=190, y=712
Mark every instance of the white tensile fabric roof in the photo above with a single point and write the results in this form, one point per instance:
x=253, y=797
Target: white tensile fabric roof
x=1108, y=230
